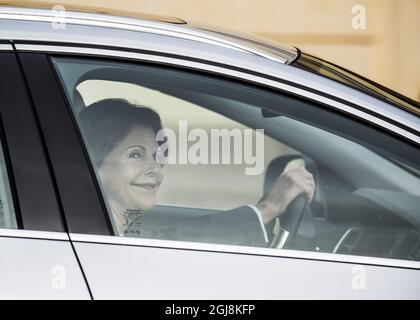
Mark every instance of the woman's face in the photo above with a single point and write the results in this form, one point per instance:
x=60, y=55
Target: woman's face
x=130, y=174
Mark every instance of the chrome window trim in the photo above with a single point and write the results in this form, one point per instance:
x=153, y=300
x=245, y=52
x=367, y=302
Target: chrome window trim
x=33, y=234
x=255, y=251
x=5, y=47
x=225, y=71
x=167, y=29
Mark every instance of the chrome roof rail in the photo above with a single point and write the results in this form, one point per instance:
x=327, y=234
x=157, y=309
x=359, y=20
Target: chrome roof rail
x=157, y=25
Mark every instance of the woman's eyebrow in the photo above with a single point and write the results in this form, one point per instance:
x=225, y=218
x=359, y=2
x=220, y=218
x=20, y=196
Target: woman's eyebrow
x=137, y=146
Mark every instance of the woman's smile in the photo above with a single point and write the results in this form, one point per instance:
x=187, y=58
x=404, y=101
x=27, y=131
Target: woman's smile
x=148, y=186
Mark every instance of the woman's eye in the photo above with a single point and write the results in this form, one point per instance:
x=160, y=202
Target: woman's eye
x=135, y=155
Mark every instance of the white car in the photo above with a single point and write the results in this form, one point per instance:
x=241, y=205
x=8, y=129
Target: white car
x=358, y=239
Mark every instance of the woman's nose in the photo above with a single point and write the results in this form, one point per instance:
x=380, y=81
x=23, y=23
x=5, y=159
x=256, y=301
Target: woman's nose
x=152, y=169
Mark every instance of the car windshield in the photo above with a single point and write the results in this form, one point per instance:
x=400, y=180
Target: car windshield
x=332, y=71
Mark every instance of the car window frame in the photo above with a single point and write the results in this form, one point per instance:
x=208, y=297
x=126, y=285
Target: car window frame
x=31, y=184
x=231, y=74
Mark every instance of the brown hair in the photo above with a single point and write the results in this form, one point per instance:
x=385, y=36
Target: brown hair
x=107, y=122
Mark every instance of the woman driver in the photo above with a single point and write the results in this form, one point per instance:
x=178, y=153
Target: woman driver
x=122, y=140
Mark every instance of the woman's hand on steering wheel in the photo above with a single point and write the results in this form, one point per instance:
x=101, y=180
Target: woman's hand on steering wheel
x=288, y=186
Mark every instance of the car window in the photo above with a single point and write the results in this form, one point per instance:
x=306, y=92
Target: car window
x=192, y=181
x=7, y=212
x=189, y=157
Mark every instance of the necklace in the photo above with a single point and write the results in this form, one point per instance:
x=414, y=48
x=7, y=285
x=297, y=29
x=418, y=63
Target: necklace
x=126, y=219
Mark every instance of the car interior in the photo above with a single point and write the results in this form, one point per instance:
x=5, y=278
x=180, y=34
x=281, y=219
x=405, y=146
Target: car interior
x=366, y=202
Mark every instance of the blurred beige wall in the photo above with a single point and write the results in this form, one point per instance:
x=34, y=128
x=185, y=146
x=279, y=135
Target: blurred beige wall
x=387, y=51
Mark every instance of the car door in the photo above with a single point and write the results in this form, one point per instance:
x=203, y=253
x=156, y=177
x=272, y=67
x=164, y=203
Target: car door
x=37, y=260
x=354, y=163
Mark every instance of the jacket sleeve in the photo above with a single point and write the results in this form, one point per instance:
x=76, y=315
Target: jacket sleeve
x=239, y=226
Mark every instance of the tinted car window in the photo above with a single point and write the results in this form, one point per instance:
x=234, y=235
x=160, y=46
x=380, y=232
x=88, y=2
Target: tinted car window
x=7, y=213
x=182, y=156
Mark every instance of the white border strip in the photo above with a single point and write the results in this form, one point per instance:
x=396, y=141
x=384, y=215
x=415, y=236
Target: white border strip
x=32, y=234
x=5, y=47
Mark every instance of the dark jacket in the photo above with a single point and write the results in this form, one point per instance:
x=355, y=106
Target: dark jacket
x=239, y=226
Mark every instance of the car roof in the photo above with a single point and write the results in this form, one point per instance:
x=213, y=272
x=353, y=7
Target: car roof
x=125, y=20
x=89, y=8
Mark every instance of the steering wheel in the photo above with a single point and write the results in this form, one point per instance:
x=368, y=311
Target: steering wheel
x=297, y=214
x=290, y=222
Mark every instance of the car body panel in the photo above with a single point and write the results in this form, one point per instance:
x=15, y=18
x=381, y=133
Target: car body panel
x=39, y=265
x=144, y=269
